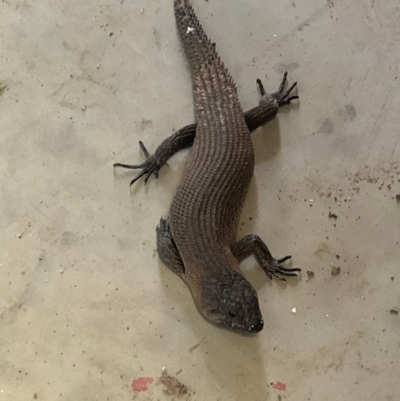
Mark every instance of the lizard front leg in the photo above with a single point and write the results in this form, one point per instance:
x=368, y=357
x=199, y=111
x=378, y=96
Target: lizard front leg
x=180, y=140
x=183, y=138
x=253, y=245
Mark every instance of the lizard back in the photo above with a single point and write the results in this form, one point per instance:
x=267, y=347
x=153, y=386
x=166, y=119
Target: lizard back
x=207, y=204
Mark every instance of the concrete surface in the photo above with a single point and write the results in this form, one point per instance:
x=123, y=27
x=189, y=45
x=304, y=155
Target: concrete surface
x=87, y=308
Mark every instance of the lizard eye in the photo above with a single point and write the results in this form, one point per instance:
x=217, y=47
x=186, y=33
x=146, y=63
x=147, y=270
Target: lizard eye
x=231, y=314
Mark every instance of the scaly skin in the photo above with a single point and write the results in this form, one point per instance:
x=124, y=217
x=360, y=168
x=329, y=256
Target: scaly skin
x=206, y=207
x=207, y=204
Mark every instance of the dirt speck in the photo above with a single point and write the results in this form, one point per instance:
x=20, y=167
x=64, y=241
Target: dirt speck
x=394, y=312
x=172, y=386
x=2, y=89
x=191, y=349
x=335, y=271
x=398, y=198
x=333, y=215
x=310, y=274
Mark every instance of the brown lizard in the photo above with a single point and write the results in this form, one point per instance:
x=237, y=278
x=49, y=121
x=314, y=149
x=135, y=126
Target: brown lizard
x=199, y=241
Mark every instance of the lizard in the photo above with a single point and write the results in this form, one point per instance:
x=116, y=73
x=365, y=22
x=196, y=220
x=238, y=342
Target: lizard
x=198, y=242
x=256, y=117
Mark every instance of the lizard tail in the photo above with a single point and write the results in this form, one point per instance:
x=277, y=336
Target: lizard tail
x=198, y=48
x=209, y=75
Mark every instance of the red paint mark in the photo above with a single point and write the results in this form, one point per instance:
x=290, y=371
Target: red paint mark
x=279, y=386
x=141, y=383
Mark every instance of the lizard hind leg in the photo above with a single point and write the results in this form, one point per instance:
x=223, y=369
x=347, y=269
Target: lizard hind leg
x=167, y=250
x=253, y=245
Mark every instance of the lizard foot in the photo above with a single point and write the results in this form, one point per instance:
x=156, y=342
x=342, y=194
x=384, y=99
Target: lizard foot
x=281, y=96
x=274, y=268
x=149, y=167
x=253, y=245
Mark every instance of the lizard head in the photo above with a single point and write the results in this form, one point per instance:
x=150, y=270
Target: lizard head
x=231, y=301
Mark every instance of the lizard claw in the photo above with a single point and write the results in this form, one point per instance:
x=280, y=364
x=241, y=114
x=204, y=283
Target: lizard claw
x=281, y=96
x=148, y=167
x=275, y=269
